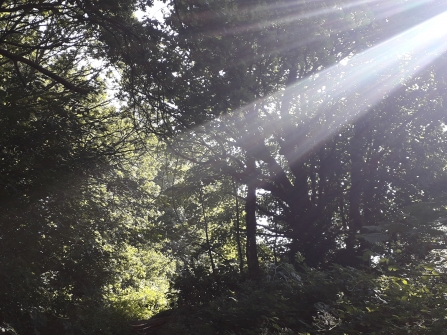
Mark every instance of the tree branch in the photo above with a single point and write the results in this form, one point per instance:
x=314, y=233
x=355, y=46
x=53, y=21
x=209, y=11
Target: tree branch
x=57, y=78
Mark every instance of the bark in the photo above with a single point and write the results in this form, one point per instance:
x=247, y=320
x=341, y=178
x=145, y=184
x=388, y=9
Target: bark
x=355, y=191
x=238, y=230
x=250, y=212
x=208, y=244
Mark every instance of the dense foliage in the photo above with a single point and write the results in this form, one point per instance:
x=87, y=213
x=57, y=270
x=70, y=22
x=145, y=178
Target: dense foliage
x=71, y=208
x=233, y=167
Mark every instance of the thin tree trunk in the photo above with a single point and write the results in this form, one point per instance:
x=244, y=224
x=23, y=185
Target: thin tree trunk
x=355, y=191
x=208, y=244
x=238, y=230
x=250, y=210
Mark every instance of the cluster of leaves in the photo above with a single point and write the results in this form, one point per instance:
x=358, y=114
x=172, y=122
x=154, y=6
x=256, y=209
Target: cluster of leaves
x=72, y=207
x=339, y=300
x=330, y=160
x=250, y=104
x=401, y=290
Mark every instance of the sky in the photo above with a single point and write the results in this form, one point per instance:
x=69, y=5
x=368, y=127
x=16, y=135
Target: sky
x=154, y=12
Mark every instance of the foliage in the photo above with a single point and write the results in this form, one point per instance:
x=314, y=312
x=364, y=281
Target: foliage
x=339, y=300
x=280, y=163
x=140, y=289
x=196, y=286
x=64, y=172
x=251, y=103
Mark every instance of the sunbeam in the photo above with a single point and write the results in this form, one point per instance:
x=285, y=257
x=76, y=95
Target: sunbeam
x=372, y=75
x=357, y=83
x=292, y=14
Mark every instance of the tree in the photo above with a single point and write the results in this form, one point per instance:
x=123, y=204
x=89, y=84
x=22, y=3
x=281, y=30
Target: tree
x=63, y=166
x=333, y=167
x=251, y=89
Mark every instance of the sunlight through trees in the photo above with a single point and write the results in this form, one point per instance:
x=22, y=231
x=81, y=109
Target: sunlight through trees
x=225, y=167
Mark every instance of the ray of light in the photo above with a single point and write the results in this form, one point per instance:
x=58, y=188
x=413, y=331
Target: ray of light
x=296, y=12
x=355, y=85
x=369, y=77
x=292, y=12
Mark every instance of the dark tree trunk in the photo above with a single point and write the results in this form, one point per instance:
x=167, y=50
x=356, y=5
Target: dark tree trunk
x=208, y=244
x=238, y=230
x=250, y=210
x=298, y=218
x=355, y=196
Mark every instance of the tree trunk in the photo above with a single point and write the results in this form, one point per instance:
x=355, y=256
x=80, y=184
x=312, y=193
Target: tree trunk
x=355, y=191
x=208, y=244
x=238, y=230
x=250, y=212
